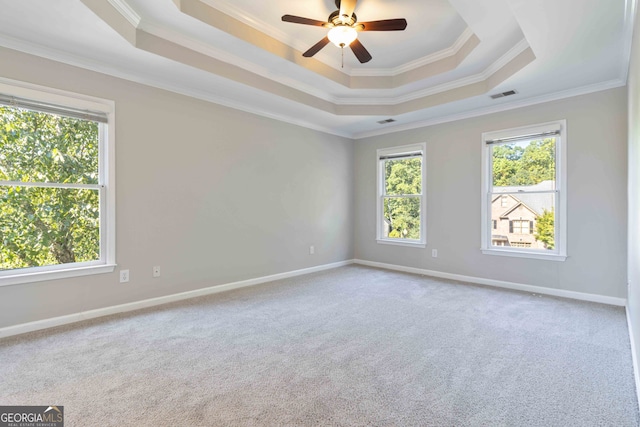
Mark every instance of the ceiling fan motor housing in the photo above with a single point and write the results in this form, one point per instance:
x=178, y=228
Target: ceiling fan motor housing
x=334, y=19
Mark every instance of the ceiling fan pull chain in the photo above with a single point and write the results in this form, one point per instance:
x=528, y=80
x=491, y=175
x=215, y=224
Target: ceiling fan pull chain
x=342, y=50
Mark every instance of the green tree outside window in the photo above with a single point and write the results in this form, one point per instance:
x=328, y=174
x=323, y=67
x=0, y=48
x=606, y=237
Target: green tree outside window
x=41, y=225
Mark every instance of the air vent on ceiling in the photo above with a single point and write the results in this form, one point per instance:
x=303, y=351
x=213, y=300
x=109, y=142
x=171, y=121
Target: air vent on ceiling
x=384, y=122
x=503, y=94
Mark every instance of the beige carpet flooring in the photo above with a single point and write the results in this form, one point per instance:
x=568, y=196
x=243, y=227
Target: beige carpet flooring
x=354, y=346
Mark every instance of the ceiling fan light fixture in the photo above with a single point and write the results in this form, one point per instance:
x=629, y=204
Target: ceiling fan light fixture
x=342, y=35
x=344, y=28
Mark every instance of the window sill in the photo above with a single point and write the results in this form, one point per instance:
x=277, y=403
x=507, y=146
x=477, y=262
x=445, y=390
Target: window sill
x=402, y=243
x=523, y=254
x=16, y=279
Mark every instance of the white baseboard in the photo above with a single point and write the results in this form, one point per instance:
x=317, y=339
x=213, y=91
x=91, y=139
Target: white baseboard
x=500, y=284
x=634, y=355
x=91, y=314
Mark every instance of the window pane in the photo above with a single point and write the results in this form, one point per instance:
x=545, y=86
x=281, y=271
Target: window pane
x=42, y=147
x=402, y=218
x=524, y=163
x=48, y=226
x=403, y=176
x=526, y=222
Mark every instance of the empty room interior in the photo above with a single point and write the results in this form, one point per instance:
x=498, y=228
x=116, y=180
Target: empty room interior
x=322, y=212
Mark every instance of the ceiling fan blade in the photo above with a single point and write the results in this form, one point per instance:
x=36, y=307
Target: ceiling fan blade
x=301, y=20
x=347, y=7
x=360, y=52
x=316, y=47
x=384, y=25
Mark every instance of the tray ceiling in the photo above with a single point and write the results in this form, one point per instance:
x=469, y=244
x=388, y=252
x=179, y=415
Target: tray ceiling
x=453, y=55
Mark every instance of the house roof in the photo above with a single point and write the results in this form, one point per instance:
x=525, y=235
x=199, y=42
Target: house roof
x=513, y=208
x=536, y=202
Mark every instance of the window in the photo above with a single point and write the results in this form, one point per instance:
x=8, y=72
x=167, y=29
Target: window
x=56, y=186
x=401, y=199
x=524, y=192
x=519, y=226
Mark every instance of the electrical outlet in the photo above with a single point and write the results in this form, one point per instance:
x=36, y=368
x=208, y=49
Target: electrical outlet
x=124, y=276
x=156, y=271
x=312, y=250
x=434, y=253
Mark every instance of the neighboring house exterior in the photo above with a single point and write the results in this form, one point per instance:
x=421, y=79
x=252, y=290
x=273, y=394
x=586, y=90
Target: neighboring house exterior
x=514, y=216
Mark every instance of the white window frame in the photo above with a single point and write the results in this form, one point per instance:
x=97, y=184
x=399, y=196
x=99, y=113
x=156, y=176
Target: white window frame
x=106, y=183
x=398, y=151
x=521, y=227
x=560, y=251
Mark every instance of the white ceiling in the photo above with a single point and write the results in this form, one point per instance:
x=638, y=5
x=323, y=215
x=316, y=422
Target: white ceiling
x=452, y=56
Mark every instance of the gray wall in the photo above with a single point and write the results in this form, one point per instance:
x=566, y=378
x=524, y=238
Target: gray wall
x=597, y=197
x=212, y=195
x=634, y=192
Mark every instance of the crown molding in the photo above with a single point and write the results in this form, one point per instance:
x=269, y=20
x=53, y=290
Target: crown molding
x=209, y=50
x=420, y=62
x=126, y=11
x=118, y=72
x=204, y=12
x=583, y=90
x=516, y=50
x=130, y=17
x=241, y=15
x=171, y=50
x=235, y=12
x=166, y=48
x=102, y=67
x=510, y=55
x=253, y=21
x=630, y=17
x=477, y=78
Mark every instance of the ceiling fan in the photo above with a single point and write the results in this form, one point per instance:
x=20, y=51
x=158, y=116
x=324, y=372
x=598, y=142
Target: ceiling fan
x=344, y=27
